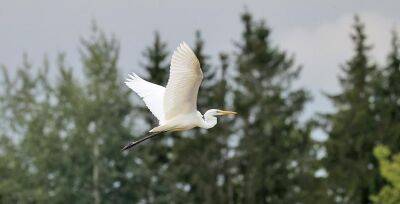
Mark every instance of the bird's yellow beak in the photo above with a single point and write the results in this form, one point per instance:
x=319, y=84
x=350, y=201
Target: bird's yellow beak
x=221, y=112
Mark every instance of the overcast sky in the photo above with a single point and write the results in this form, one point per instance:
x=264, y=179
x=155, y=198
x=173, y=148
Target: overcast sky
x=316, y=32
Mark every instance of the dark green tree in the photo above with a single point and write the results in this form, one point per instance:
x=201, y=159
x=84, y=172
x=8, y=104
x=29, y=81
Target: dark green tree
x=387, y=94
x=200, y=158
x=274, y=147
x=387, y=98
x=155, y=155
x=156, y=64
x=352, y=169
x=203, y=98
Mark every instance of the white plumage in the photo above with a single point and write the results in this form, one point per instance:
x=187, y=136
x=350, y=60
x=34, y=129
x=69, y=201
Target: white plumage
x=184, y=81
x=175, y=106
x=152, y=95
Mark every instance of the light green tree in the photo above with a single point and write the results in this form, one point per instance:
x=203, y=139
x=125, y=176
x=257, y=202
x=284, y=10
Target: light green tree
x=64, y=136
x=389, y=166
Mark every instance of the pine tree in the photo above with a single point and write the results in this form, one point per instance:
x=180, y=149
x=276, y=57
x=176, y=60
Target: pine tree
x=352, y=169
x=273, y=144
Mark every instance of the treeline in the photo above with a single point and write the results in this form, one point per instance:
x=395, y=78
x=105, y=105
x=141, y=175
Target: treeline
x=61, y=135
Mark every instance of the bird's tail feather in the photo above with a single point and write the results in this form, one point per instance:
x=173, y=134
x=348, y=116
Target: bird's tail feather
x=134, y=143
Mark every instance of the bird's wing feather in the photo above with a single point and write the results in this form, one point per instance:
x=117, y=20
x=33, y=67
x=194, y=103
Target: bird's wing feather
x=183, y=84
x=152, y=94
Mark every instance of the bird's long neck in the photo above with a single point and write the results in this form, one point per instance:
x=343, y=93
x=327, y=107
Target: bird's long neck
x=209, y=121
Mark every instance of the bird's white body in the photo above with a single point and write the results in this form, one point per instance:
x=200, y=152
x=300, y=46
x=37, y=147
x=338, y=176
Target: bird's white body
x=175, y=106
x=189, y=120
x=181, y=122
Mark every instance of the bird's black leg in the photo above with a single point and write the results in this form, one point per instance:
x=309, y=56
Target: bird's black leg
x=134, y=143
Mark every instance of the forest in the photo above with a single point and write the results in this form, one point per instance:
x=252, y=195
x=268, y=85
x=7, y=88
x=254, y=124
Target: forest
x=61, y=130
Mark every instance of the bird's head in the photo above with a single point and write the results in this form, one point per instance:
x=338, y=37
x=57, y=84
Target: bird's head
x=217, y=112
x=210, y=119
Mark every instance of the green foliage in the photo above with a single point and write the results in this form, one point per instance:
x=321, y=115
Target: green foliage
x=389, y=166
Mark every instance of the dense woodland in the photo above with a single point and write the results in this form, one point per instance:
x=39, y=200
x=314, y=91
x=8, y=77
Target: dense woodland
x=61, y=134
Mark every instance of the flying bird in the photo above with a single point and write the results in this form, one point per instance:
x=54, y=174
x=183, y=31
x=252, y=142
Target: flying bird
x=175, y=106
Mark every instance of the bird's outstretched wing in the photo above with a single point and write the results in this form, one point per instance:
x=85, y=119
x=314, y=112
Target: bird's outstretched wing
x=152, y=94
x=183, y=84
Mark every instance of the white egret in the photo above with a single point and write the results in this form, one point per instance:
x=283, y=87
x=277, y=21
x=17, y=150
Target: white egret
x=175, y=106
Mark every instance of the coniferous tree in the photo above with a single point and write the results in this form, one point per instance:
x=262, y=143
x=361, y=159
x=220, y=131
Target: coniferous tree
x=273, y=145
x=199, y=164
x=387, y=98
x=352, y=169
x=157, y=65
x=208, y=72
x=191, y=175
x=387, y=93
x=154, y=156
x=224, y=134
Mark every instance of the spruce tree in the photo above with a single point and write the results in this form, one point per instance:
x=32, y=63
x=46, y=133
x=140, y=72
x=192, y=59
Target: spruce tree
x=352, y=169
x=156, y=65
x=208, y=73
x=199, y=164
x=154, y=156
x=387, y=98
x=273, y=144
x=387, y=94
